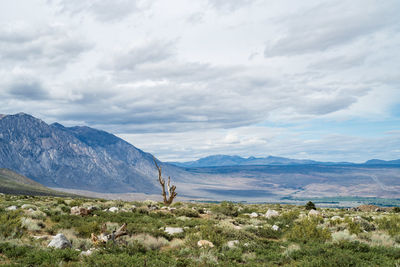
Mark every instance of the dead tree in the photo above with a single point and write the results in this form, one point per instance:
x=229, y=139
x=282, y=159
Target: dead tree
x=104, y=237
x=171, y=189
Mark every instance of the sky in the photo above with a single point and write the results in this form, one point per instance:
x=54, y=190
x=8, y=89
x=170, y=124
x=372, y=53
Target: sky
x=187, y=79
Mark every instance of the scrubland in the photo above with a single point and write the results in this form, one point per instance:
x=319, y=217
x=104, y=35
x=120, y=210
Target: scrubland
x=194, y=234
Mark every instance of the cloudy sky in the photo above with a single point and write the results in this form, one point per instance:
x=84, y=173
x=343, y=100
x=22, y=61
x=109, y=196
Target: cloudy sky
x=186, y=79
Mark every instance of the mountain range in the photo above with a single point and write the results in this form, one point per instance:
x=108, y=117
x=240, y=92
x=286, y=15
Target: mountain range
x=227, y=160
x=87, y=159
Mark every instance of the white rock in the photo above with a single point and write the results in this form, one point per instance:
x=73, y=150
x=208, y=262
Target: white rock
x=173, y=230
x=27, y=206
x=113, y=209
x=87, y=252
x=271, y=214
x=253, y=215
x=313, y=213
x=334, y=218
x=60, y=241
x=232, y=243
x=205, y=243
x=11, y=208
x=275, y=227
x=171, y=209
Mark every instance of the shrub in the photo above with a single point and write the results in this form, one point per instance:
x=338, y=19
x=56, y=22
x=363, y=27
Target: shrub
x=10, y=224
x=307, y=230
x=85, y=229
x=310, y=206
x=226, y=208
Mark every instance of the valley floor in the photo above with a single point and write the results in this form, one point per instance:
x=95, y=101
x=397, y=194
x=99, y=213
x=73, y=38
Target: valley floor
x=192, y=234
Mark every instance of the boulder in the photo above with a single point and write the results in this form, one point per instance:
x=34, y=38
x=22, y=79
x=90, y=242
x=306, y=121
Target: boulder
x=60, y=242
x=313, y=213
x=12, y=208
x=80, y=211
x=205, y=243
x=113, y=209
x=253, y=215
x=173, y=230
x=271, y=214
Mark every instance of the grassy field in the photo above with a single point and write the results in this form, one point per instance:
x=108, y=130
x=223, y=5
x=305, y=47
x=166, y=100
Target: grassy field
x=240, y=234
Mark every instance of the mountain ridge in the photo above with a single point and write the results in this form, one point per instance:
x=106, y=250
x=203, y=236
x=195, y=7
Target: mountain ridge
x=234, y=160
x=74, y=157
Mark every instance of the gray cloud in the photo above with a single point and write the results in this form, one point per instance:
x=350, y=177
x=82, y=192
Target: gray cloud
x=32, y=90
x=229, y=6
x=102, y=10
x=330, y=24
x=151, y=52
x=26, y=45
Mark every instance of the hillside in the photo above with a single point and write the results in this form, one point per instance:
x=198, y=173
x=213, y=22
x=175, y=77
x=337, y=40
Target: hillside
x=13, y=183
x=74, y=157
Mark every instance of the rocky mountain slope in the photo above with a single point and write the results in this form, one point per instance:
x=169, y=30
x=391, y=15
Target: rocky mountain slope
x=76, y=157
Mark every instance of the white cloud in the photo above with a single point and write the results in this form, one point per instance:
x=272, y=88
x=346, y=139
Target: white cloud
x=187, y=79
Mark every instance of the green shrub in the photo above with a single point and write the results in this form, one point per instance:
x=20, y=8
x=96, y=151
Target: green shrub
x=310, y=206
x=10, y=224
x=307, y=230
x=85, y=229
x=226, y=208
x=186, y=212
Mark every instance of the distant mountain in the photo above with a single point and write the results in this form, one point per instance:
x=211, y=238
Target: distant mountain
x=380, y=162
x=13, y=183
x=225, y=160
x=74, y=157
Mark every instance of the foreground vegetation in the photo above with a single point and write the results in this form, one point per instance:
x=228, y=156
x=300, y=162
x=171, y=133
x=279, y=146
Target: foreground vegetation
x=237, y=234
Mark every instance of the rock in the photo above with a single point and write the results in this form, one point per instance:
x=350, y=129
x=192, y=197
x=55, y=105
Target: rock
x=173, y=230
x=87, y=252
x=275, y=227
x=164, y=207
x=232, y=243
x=253, y=215
x=80, y=211
x=113, y=209
x=60, y=242
x=271, y=214
x=334, y=218
x=205, y=243
x=153, y=207
x=313, y=213
x=12, y=208
x=171, y=209
x=27, y=206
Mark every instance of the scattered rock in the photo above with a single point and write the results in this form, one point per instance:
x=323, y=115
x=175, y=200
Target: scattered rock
x=253, y=215
x=87, y=252
x=60, y=242
x=205, y=243
x=173, y=230
x=80, y=211
x=12, y=208
x=275, y=227
x=113, y=209
x=27, y=206
x=313, y=213
x=232, y=243
x=271, y=214
x=334, y=218
x=171, y=209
